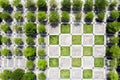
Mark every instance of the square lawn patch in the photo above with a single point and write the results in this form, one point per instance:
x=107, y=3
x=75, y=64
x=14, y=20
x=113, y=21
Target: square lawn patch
x=53, y=62
x=87, y=51
x=65, y=28
x=76, y=62
x=99, y=62
x=87, y=74
x=65, y=74
x=76, y=39
x=88, y=28
x=99, y=39
x=65, y=51
x=54, y=39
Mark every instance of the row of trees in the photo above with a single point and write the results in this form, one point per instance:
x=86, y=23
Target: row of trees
x=19, y=74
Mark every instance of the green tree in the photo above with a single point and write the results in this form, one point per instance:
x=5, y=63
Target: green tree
x=5, y=4
x=17, y=3
x=77, y=4
x=66, y=5
x=41, y=40
x=41, y=76
x=30, y=16
x=89, y=16
x=42, y=5
x=6, y=16
x=88, y=6
x=54, y=17
x=114, y=64
x=41, y=16
x=5, y=27
x=29, y=76
x=30, y=40
x=30, y=29
x=5, y=75
x=17, y=28
x=114, y=40
x=113, y=4
x=30, y=64
x=1, y=40
x=42, y=64
x=18, y=16
x=17, y=51
x=18, y=41
x=29, y=52
x=114, y=14
x=5, y=40
x=30, y=4
x=17, y=74
x=113, y=75
x=78, y=16
x=5, y=52
x=53, y=4
x=41, y=28
x=41, y=53
x=65, y=16
x=101, y=16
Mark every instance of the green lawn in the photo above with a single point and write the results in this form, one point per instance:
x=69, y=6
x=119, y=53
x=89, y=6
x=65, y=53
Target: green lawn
x=76, y=39
x=76, y=62
x=54, y=39
x=99, y=62
x=87, y=51
x=65, y=28
x=99, y=39
x=88, y=28
x=65, y=74
x=53, y=62
x=65, y=51
x=87, y=74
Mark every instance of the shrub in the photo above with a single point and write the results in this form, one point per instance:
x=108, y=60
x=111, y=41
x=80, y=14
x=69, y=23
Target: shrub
x=17, y=28
x=54, y=17
x=41, y=76
x=89, y=16
x=5, y=75
x=5, y=4
x=78, y=16
x=41, y=40
x=114, y=14
x=30, y=4
x=30, y=40
x=88, y=6
x=29, y=76
x=5, y=52
x=114, y=40
x=5, y=40
x=29, y=52
x=113, y=76
x=1, y=40
x=77, y=4
x=18, y=16
x=17, y=3
x=41, y=28
x=17, y=51
x=42, y=5
x=18, y=41
x=30, y=29
x=29, y=64
x=6, y=16
x=66, y=5
x=113, y=4
x=113, y=64
x=53, y=3
x=30, y=16
x=112, y=27
x=17, y=74
x=65, y=16
x=101, y=16
x=41, y=53
x=42, y=64
x=5, y=27
x=42, y=16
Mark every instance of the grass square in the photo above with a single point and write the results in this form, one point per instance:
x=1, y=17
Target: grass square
x=87, y=74
x=54, y=39
x=76, y=39
x=88, y=28
x=65, y=51
x=64, y=74
x=76, y=62
x=65, y=28
x=99, y=39
x=87, y=51
x=99, y=62
x=53, y=62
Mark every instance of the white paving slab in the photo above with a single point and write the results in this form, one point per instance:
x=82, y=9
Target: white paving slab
x=99, y=51
x=65, y=63
x=65, y=39
x=76, y=73
x=54, y=51
x=53, y=73
x=76, y=51
x=87, y=62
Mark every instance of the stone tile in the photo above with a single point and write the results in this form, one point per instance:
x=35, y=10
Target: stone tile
x=99, y=51
x=54, y=51
x=76, y=51
x=53, y=74
x=76, y=73
x=11, y=62
x=77, y=29
x=65, y=63
x=99, y=29
x=22, y=63
x=99, y=73
x=65, y=40
x=87, y=40
x=87, y=62
x=16, y=62
x=53, y=29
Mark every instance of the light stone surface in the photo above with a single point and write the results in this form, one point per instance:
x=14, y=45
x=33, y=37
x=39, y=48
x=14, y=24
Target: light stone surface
x=65, y=63
x=53, y=74
x=77, y=29
x=76, y=51
x=99, y=29
x=65, y=40
x=53, y=29
x=76, y=73
x=99, y=51
x=54, y=51
x=88, y=62
x=99, y=73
